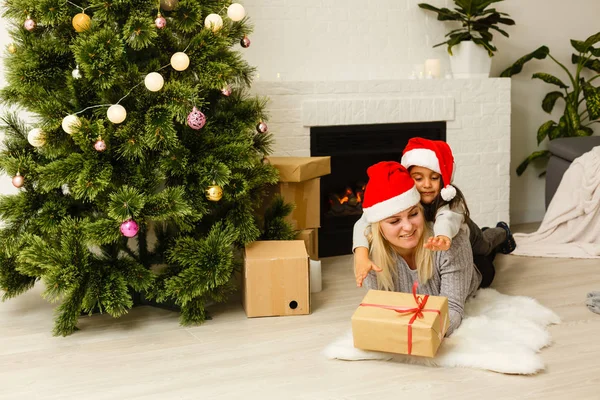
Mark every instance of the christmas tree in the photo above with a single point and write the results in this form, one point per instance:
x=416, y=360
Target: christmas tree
x=145, y=150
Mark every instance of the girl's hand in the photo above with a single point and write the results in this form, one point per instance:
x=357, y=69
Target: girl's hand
x=438, y=243
x=363, y=265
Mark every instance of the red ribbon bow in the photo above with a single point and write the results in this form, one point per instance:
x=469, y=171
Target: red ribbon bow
x=416, y=311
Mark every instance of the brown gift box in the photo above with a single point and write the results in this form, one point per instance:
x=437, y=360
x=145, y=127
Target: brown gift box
x=276, y=278
x=311, y=240
x=306, y=197
x=300, y=169
x=381, y=329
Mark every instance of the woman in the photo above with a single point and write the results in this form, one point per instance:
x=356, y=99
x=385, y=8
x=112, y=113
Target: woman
x=398, y=231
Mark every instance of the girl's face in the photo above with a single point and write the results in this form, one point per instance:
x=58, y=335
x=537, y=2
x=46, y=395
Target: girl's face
x=427, y=182
x=404, y=230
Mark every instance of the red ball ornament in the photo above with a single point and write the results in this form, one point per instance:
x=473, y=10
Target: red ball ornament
x=196, y=120
x=129, y=228
x=226, y=91
x=262, y=127
x=245, y=42
x=29, y=24
x=160, y=21
x=100, y=145
x=18, y=180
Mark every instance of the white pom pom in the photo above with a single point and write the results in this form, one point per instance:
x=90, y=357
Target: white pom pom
x=448, y=193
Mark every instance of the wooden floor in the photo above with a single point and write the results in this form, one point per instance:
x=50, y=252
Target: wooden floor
x=147, y=355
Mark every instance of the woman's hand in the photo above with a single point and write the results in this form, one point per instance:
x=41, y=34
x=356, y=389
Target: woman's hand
x=438, y=243
x=363, y=265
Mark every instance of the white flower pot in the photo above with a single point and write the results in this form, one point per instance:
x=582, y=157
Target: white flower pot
x=470, y=61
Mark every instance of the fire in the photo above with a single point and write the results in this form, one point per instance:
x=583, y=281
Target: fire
x=349, y=202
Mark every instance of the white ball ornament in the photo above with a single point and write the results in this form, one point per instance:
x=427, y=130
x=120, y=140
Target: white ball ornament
x=35, y=137
x=236, y=12
x=180, y=61
x=154, y=81
x=116, y=113
x=70, y=123
x=76, y=73
x=213, y=22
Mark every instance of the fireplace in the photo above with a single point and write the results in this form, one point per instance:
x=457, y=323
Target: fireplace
x=353, y=149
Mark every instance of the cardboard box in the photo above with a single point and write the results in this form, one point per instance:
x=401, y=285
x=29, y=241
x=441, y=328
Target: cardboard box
x=383, y=329
x=276, y=279
x=300, y=169
x=311, y=241
x=306, y=196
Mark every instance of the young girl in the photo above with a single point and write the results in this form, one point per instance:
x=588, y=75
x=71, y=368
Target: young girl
x=431, y=165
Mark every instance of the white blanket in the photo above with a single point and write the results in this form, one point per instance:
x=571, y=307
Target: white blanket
x=571, y=226
x=499, y=333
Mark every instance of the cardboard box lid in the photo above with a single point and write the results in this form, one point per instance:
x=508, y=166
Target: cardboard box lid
x=299, y=169
x=276, y=249
x=402, y=300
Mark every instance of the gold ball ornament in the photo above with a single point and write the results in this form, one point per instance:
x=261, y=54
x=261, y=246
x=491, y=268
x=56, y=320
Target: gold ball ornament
x=12, y=49
x=116, y=113
x=180, y=61
x=36, y=138
x=214, y=192
x=236, y=12
x=214, y=22
x=18, y=180
x=154, y=81
x=168, y=5
x=70, y=123
x=81, y=22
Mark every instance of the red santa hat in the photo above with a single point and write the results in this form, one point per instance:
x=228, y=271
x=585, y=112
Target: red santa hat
x=435, y=155
x=390, y=190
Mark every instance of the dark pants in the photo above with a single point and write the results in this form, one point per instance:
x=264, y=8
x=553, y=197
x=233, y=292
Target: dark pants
x=486, y=242
x=485, y=265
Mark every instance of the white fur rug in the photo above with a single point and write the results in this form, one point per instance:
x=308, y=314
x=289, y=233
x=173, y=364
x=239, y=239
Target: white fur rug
x=499, y=333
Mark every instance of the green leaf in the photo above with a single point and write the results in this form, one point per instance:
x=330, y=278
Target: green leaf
x=544, y=129
x=595, y=38
x=584, y=132
x=592, y=100
x=126, y=202
x=533, y=156
x=550, y=100
x=556, y=132
x=444, y=14
x=572, y=116
x=551, y=79
x=517, y=67
x=579, y=45
x=592, y=64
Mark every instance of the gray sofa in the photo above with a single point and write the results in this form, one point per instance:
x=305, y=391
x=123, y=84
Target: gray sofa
x=562, y=152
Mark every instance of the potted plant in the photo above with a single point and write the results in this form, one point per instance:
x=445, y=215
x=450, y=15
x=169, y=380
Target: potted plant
x=471, y=57
x=580, y=98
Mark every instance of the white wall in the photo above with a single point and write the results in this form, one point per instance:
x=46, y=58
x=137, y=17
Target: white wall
x=384, y=39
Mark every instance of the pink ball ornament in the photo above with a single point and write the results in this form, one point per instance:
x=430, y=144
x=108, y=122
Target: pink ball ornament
x=226, y=91
x=129, y=228
x=100, y=145
x=262, y=127
x=160, y=22
x=196, y=120
x=29, y=24
x=245, y=42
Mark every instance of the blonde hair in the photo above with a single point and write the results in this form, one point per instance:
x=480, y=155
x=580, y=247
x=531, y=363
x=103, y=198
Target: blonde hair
x=384, y=255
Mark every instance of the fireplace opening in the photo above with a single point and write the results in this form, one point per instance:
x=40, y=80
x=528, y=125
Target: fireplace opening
x=352, y=150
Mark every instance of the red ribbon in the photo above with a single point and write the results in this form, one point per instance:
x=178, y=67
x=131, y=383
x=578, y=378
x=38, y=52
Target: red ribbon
x=416, y=311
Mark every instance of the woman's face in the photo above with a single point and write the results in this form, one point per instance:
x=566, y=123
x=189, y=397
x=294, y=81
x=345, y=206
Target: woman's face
x=427, y=183
x=404, y=230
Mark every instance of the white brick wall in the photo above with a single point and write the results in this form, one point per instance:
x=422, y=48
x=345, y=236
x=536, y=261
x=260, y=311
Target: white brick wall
x=477, y=114
x=342, y=39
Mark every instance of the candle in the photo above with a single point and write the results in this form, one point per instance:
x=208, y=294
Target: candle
x=432, y=67
x=315, y=276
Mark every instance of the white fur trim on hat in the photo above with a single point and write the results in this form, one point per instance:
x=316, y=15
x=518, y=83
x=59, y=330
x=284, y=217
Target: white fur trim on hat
x=389, y=207
x=422, y=158
x=448, y=192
